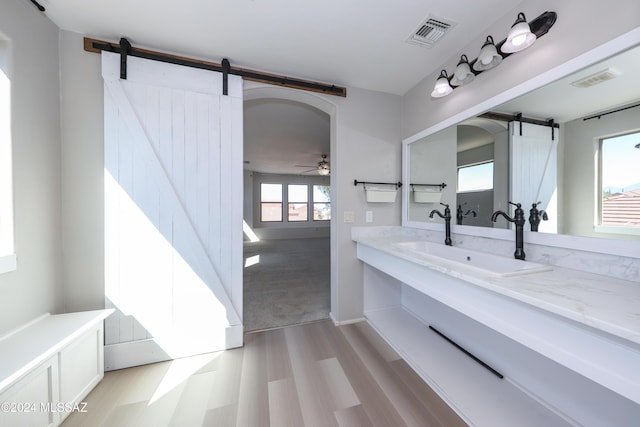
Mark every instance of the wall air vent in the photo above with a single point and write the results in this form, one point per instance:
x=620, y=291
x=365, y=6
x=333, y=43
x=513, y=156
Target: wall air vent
x=594, y=79
x=430, y=30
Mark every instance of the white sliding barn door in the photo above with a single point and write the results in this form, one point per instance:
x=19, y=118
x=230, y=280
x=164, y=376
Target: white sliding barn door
x=533, y=171
x=173, y=211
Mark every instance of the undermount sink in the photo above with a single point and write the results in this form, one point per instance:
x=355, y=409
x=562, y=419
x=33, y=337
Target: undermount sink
x=481, y=261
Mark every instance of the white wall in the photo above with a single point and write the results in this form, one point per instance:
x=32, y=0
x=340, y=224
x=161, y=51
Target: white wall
x=367, y=149
x=580, y=27
x=35, y=286
x=82, y=174
x=433, y=160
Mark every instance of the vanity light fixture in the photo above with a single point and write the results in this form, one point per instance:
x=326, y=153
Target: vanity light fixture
x=442, y=87
x=520, y=36
x=463, y=74
x=489, y=56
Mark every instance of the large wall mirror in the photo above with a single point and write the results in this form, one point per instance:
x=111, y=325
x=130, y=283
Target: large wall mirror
x=583, y=168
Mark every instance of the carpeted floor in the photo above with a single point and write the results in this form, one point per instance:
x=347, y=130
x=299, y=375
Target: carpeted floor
x=289, y=285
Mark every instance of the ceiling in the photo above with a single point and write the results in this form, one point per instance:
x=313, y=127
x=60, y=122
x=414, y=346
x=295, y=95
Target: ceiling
x=355, y=43
x=284, y=136
x=358, y=43
x=564, y=102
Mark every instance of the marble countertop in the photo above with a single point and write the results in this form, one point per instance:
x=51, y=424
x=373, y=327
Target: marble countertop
x=608, y=304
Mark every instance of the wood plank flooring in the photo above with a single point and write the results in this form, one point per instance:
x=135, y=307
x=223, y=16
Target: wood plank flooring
x=313, y=375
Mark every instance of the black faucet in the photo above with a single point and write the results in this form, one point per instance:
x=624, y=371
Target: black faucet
x=519, y=220
x=460, y=215
x=447, y=222
x=535, y=215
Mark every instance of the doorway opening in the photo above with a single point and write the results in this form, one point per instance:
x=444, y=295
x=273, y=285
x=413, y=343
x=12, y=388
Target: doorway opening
x=287, y=272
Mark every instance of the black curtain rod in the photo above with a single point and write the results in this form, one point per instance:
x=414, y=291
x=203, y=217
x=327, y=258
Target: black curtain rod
x=430, y=185
x=397, y=184
x=597, y=116
x=98, y=45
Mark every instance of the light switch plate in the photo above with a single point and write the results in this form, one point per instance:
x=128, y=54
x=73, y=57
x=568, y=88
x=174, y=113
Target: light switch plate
x=348, y=217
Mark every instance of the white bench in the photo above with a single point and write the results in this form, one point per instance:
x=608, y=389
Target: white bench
x=49, y=365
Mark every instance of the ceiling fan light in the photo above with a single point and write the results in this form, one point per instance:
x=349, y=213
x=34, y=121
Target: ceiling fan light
x=463, y=74
x=442, y=87
x=520, y=36
x=323, y=166
x=489, y=56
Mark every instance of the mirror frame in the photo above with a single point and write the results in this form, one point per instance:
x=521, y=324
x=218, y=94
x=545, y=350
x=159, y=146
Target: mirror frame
x=626, y=248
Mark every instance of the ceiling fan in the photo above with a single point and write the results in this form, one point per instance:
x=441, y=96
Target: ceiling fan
x=322, y=168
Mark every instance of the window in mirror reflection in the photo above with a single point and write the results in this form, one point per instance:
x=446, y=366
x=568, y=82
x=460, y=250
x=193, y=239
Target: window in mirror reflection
x=476, y=177
x=620, y=181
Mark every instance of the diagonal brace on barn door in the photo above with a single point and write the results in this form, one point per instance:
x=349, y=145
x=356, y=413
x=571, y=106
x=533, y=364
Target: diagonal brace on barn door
x=117, y=92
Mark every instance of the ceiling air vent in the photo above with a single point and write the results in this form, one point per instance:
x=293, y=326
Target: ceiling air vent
x=430, y=31
x=594, y=79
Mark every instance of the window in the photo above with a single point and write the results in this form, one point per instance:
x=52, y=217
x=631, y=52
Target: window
x=270, y=202
x=303, y=202
x=7, y=257
x=620, y=181
x=321, y=203
x=477, y=177
x=297, y=198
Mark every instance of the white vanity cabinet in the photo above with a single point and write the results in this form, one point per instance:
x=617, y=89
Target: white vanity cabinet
x=48, y=366
x=557, y=370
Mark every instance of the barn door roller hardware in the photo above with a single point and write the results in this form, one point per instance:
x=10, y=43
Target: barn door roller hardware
x=125, y=48
x=97, y=46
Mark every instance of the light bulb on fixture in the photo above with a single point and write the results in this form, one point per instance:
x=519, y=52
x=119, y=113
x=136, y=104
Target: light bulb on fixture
x=463, y=74
x=520, y=36
x=489, y=56
x=442, y=87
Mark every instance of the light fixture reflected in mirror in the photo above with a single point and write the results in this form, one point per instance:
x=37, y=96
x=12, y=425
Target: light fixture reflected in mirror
x=520, y=36
x=442, y=87
x=489, y=56
x=463, y=74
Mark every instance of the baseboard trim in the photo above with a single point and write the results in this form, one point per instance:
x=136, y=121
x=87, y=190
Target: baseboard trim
x=346, y=322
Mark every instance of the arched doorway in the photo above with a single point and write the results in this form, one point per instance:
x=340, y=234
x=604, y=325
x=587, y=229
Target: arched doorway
x=258, y=96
